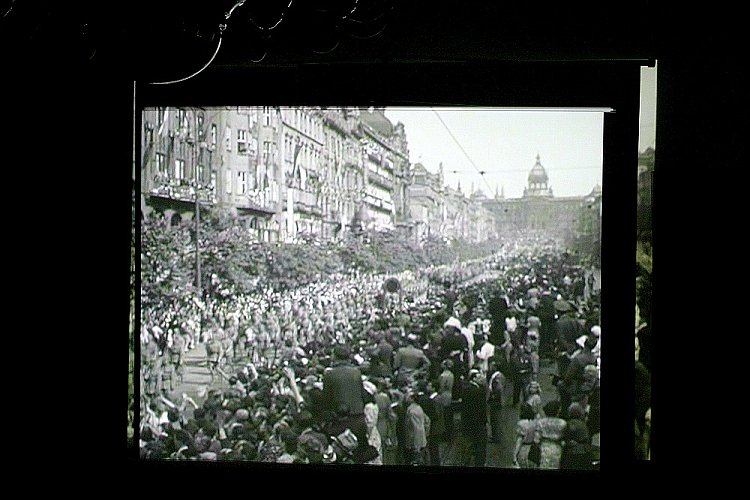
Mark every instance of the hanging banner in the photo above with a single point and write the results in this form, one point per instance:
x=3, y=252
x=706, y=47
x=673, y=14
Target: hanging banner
x=290, y=226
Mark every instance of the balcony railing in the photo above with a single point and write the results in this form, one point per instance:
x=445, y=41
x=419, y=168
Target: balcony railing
x=380, y=179
x=182, y=190
x=305, y=202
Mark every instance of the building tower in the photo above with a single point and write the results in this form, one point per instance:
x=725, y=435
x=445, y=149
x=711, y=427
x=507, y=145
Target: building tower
x=538, y=180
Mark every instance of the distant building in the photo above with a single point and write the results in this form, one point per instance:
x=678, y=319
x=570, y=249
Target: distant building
x=573, y=219
x=386, y=163
x=289, y=172
x=438, y=210
x=426, y=202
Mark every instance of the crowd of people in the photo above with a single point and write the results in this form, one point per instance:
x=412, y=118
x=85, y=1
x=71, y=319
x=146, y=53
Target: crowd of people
x=643, y=367
x=347, y=370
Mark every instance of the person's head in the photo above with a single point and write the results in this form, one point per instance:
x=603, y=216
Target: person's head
x=575, y=410
x=452, y=326
x=310, y=447
x=341, y=352
x=552, y=408
x=173, y=415
x=526, y=412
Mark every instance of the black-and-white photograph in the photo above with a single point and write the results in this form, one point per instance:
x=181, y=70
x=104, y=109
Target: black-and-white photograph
x=644, y=264
x=394, y=286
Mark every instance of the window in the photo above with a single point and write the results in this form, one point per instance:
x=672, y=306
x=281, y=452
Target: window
x=228, y=138
x=214, y=135
x=161, y=165
x=182, y=120
x=200, y=127
x=179, y=169
x=228, y=181
x=242, y=141
x=266, y=116
x=160, y=116
x=201, y=173
x=242, y=182
x=149, y=134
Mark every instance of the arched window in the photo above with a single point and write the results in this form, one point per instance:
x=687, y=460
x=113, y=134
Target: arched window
x=175, y=220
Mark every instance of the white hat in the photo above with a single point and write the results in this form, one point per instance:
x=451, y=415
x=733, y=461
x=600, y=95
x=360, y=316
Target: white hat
x=596, y=330
x=511, y=323
x=581, y=341
x=454, y=322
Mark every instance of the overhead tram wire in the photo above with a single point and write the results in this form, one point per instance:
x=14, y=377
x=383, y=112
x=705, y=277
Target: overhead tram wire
x=481, y=172
x=518, y=170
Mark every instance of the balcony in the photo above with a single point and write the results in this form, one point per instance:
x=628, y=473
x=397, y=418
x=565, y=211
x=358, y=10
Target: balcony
x=181, y=191
x=379, y=204
x=305, y=202
x=379, y=179
x=256, y=199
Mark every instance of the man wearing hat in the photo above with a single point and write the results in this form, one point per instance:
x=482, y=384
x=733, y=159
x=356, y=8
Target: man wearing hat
x=574, y=375
x=344, y=392
x=568, y=330
x=410, y=358
x=454, y=346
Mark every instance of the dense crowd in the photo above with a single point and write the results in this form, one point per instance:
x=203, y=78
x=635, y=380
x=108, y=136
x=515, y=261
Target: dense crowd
x=347, y=370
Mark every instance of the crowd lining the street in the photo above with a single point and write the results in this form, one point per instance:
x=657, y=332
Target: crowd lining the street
x=345, y=370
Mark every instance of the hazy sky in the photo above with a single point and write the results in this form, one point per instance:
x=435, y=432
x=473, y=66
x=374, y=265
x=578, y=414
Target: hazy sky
x=647, y=136
x=505, y=144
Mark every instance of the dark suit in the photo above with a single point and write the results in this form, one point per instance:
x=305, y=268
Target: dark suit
x=342, y=385
x=546, y=314
x=433, y=410
x=455, y=342
x=568, y=330
x=474, y=421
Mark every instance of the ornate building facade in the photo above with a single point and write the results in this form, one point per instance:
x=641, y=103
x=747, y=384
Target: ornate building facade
x=290, y=172
x=284, y=172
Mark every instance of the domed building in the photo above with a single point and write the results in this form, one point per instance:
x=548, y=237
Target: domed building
x=573, y=219
x=538, y=180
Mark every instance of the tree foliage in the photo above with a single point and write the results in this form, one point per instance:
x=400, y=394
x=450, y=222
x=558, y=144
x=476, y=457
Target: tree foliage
x=233, y=261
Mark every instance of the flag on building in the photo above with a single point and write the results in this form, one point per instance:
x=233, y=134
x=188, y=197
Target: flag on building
x=164, y=121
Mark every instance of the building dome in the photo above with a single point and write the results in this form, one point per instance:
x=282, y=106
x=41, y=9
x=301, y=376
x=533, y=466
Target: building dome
x=538, y=181
x=538, y=174
x=377, y=120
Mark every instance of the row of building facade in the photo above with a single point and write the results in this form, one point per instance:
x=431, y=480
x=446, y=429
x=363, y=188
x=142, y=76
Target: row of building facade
x=292, y=171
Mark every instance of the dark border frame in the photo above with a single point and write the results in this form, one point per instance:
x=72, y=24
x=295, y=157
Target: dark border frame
x=614, y=84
